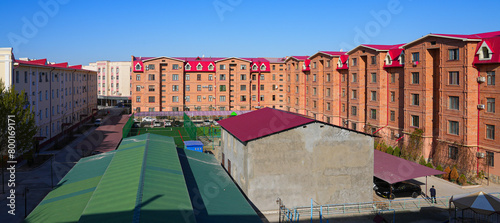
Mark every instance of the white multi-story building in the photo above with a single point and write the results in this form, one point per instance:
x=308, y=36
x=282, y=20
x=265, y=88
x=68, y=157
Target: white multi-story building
x=113, y=81
x=61, y=96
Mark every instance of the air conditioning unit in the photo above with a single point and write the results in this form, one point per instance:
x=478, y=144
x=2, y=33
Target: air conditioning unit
x=481, y=79
x=257, y=106
x=480, y=155
x=415, y=63
x=480, y=106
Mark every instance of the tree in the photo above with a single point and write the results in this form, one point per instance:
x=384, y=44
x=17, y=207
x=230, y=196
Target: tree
x=454, y=174
x=397, y=151
x=14, y=103
x=414, y=148
x=446, y=174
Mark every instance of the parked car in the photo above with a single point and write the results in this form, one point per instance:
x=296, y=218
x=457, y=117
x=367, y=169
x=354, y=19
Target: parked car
x=156, y=124
x=97, y=122
x=136, y=125
x=401, y=189
x=215, y=122
x=206, y=122
x=147, y=119
x=168, y=124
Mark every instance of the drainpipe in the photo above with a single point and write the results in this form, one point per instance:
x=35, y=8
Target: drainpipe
x=478, y=117
x=387, y=111
x=305, y=91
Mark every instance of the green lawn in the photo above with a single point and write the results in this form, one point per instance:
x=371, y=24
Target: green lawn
x=169, y=131
x=208, y=131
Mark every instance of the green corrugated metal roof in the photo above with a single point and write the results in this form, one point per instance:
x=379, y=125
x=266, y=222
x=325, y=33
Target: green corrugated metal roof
x=145, y=180
x=221, y=200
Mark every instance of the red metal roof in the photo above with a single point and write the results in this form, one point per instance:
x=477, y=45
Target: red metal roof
x=395, y=53
x=494, y=45
x=307, y=65
x=393, y=169
x=43, y=62
x=344, y=61
x=204, y=66
x=471, y=36
x=262, y=122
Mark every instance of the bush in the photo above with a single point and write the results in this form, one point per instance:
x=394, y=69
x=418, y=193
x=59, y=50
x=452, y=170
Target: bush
x=462, y=179
x=429, y=164
x=397, y=152
x=389, y=150
x=440, y=168
x=447, y=172
x=454, y=174
x=422, y=161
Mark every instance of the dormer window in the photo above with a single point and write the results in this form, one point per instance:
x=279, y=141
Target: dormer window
x=402, y=58
x=254, y=67
x=188, y=67
x=211, y=67
x=199, y=66
x=388, y=60
x=303, y=66
x=339, y=63
x=262, y=67
x=484, y=52
x=137, y=67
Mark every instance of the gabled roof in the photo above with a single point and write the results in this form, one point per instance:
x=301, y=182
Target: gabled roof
x=298, y=58
x=493, y=44
x=327, y=53
x=466, y=37
x=261, y=123
x=375, y=47
x=204, y=64
x=344, y=60
x=394, y=54
x=43, y=63
x=230, y=58
x=161, y=57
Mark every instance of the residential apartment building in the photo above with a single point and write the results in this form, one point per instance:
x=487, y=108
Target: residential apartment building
x=296, y=68
x=61, y=96
x=113, y=81
x=205, y=84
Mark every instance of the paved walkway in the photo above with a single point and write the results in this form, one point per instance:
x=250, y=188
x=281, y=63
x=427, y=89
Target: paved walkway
x=39, y=181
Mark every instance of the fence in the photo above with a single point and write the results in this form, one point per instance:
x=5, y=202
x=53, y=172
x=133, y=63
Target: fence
x=128, y=126
x=190, y=127
x=319, y=211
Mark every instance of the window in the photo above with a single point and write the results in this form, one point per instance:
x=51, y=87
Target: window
x=484, y=53
x=415, y=78
x=328, y=77
x=296, y=78
x=222, y=77
x=243, y=87
x=151, y=77
x=354, y=94
x=343, y=92
x=491, y=77
x=354, y=110
x=393, y=78
x=354, y=77
x=243, y=67
x=314, y=104
x=187, y=77
x=354, y=125
x=243, y=98
x=415, y=99
x=17, y=77
x=314, y=77
x=151, y=99
x=188, y=98
x=198, y=98
x=175, y=98
x=262, y=77
x=343, y=77
x=210, y=67
x=373, y=95
x=354, y=61
x=210, y=88
x=198, y=77
x=453, y=53
x=314, y=65
x=175, y=77
x=393, y=115
x=452, y=152
x=188, y=88
x=199, y=67
x=374, y=59
x=222, y=98
x=254, y=98
x=151, y=88
x=210, y=77
x=262, y=67
x=373, y=113
x=222, y=67
x=374, y=77
x=490, y=131
x=117, y=85
x=222, y=88
x=243, y=77
x=453, y=127
x=327, y=63
x=175, y=66
x=198, y=87
x=343, y=107
x=453, y=78
x=415, y=121
x=138, y=99
x=175, y=87
x=490, y=104
x=454, y=103
x=328, y=106
x=137, y=77
x=393, y=96
x=328, y=92
x=415, y=57
x=490, y=159
x=274, y=77
x=261, y=87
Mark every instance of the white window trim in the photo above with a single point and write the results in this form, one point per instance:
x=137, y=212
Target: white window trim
x=188, y=67
x=199, y=66
x=255, y=67
x=388, y=59
x=339, y=63
x=262, y=67
x=480, y=52
x=137, y=64
x=210, y=67
x=401, y=59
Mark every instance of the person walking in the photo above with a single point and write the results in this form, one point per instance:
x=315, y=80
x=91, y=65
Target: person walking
x=433, y=194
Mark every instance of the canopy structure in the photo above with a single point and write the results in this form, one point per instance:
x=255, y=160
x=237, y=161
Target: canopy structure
x=393, y=169
x=190, y=113
x=479, y=202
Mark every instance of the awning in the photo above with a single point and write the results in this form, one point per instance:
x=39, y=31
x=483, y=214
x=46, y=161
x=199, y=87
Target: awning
x=393, y=169
x=478, y=202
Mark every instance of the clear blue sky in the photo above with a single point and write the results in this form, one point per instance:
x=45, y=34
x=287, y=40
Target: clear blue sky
x=80, y=31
